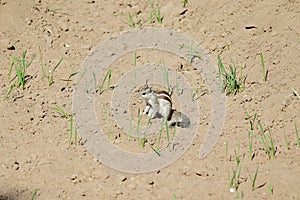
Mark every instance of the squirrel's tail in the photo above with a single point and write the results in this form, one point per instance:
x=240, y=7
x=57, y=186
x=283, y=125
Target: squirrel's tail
x=179, y=119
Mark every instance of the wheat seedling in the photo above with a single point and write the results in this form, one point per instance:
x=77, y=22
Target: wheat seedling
x=297, y=136
x=131, y=22
x=70, y=76
x=226, y=149
x=266, y=140
x=154, y=149
x=134, y=65
x=270, y=189
x=295, y=92
x=251, y=120
x=251, y=155
x=194, y=53
x=20, y=65
x=234, y=179
x=72, y=127
x=229, y=80
x=157, y=13
x=107, y=77
x=34, y=194
x=264, y=72
x=253, y=180
x=184, y=3
x=287, y=145
x=143, y=140
x=195, y=94
x=60, y=110
x=165, y=75
x=55, y=8
x=51, y=72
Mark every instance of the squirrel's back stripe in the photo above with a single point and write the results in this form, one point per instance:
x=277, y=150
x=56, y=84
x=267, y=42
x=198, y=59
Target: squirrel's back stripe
x=164, y=95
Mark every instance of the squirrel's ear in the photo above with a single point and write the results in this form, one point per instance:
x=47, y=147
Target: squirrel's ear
x=147, y=83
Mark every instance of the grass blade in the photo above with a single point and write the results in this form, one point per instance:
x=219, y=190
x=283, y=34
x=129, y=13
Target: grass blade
x=295, y=92
x=264, y=72
x=297, y=136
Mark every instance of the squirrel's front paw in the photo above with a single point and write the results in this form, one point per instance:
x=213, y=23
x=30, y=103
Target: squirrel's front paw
x=146, y=111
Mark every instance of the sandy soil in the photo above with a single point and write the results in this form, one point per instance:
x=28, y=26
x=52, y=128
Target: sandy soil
x=35, y=152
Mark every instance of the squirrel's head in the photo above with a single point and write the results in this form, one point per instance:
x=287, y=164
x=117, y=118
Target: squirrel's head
x=147, y=93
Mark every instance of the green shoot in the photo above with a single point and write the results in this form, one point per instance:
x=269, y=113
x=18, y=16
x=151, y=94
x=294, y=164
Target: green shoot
x=134, y=64
x=167, y=132
x=175, y=197
x=251, y=155
x=55, y=8
x=81, y=76
x=240, y=195
x=194, y=53
x=195, y=94
x=95, y=80
x=266, y=140
x=51, y=72
x=158, y=16
x=154, y=149
x=76, y=136
x=20, y=65
x=264, y=72
x=87, y=88
x=72, y=127
x=143, y=141
x=295, y=92
x=130, y=21
x=60, y=110
x=70, y=76
x=253, y=180
x=159, y=136
x=166, y=78
x=107, y=77
x=237, y=157
x=140, y=115
x=34, y=194
x=251, y=121
x=184, y=2
x=287, y=145
x=157, y=13
x=231, y=84
x=11, y=88
x=270, y=189
x=297, y=136
x=233, y=183
x=174, y=132
x=234, y=179
x=151, y=17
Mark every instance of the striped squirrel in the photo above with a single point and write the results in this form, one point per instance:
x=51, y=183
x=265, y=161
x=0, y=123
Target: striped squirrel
x=159, y=105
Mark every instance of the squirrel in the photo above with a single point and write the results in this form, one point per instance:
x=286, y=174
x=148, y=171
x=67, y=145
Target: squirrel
x=159, y=105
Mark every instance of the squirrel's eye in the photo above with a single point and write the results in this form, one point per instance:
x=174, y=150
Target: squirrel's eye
x=143, y=93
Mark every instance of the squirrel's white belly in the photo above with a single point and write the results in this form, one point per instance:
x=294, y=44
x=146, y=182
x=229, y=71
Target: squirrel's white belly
x=165, y=109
